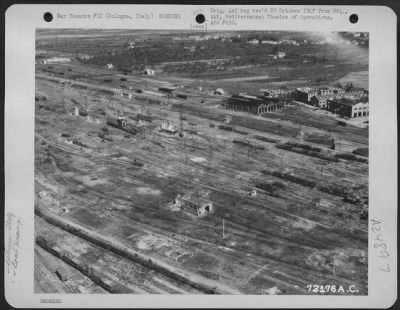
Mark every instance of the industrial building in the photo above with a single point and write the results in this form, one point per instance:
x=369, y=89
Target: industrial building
x=275, y=92
x=317, y=96
x=305, y=94
x=320, y=101
x=349, y=108
x=254, y=104
x=331, y=91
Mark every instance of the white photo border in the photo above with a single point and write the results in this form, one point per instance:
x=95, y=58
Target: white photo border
x=22, y=20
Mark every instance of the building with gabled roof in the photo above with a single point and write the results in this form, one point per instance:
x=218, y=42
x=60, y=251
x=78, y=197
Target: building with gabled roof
x=320, y=101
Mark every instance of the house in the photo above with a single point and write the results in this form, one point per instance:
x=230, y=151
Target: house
x=281, y=54
x=253, y=193
x=131, y=45
x=122, y=122
x=278, y=55
x=190, y=48
x=227, y=119
x=254, y=41
x=85, y=57
x=118, y=93
x=349, y=108
x=195, y=38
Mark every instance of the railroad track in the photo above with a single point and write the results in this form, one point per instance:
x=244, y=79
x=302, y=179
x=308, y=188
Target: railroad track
x=202, y=284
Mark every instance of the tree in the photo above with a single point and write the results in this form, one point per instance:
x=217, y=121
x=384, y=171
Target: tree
x=338, y=85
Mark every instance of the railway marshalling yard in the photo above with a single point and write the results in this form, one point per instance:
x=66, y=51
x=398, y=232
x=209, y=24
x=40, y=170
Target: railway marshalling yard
x=104, y=204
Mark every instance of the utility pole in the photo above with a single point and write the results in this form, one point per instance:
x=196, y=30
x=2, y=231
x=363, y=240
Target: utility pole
x=301, y=134
x=334, y=265
x=214, y=136
x=247, y=119
x=211, y=155
x=180, y=121
x=223, y=228
x=184, y=147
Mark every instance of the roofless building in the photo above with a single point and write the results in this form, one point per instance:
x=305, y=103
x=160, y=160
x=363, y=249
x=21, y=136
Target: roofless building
x=254, y=104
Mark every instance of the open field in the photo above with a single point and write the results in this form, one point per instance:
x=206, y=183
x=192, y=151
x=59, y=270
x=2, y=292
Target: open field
x=104, y=196
x=359, y=79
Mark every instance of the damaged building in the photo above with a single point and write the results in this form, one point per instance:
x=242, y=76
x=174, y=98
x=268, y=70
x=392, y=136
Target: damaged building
x=168, y=128
x=193, y=204
x=254, y=104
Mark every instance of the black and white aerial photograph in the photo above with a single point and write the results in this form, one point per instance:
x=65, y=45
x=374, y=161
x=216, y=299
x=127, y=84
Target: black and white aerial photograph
x=201, y=162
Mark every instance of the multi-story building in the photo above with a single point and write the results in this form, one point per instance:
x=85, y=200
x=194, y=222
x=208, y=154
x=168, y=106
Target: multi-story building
x=320, y=101
x=304, y=94
x=349, y=108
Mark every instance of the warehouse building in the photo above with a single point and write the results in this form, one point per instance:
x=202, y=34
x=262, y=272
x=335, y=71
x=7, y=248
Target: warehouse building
x=349, y=108
x=320, y=95
x=254, y=104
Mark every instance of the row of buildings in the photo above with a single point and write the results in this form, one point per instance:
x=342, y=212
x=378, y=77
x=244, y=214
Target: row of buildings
x=351, y=103
x=53, y=60
x=273, y=42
